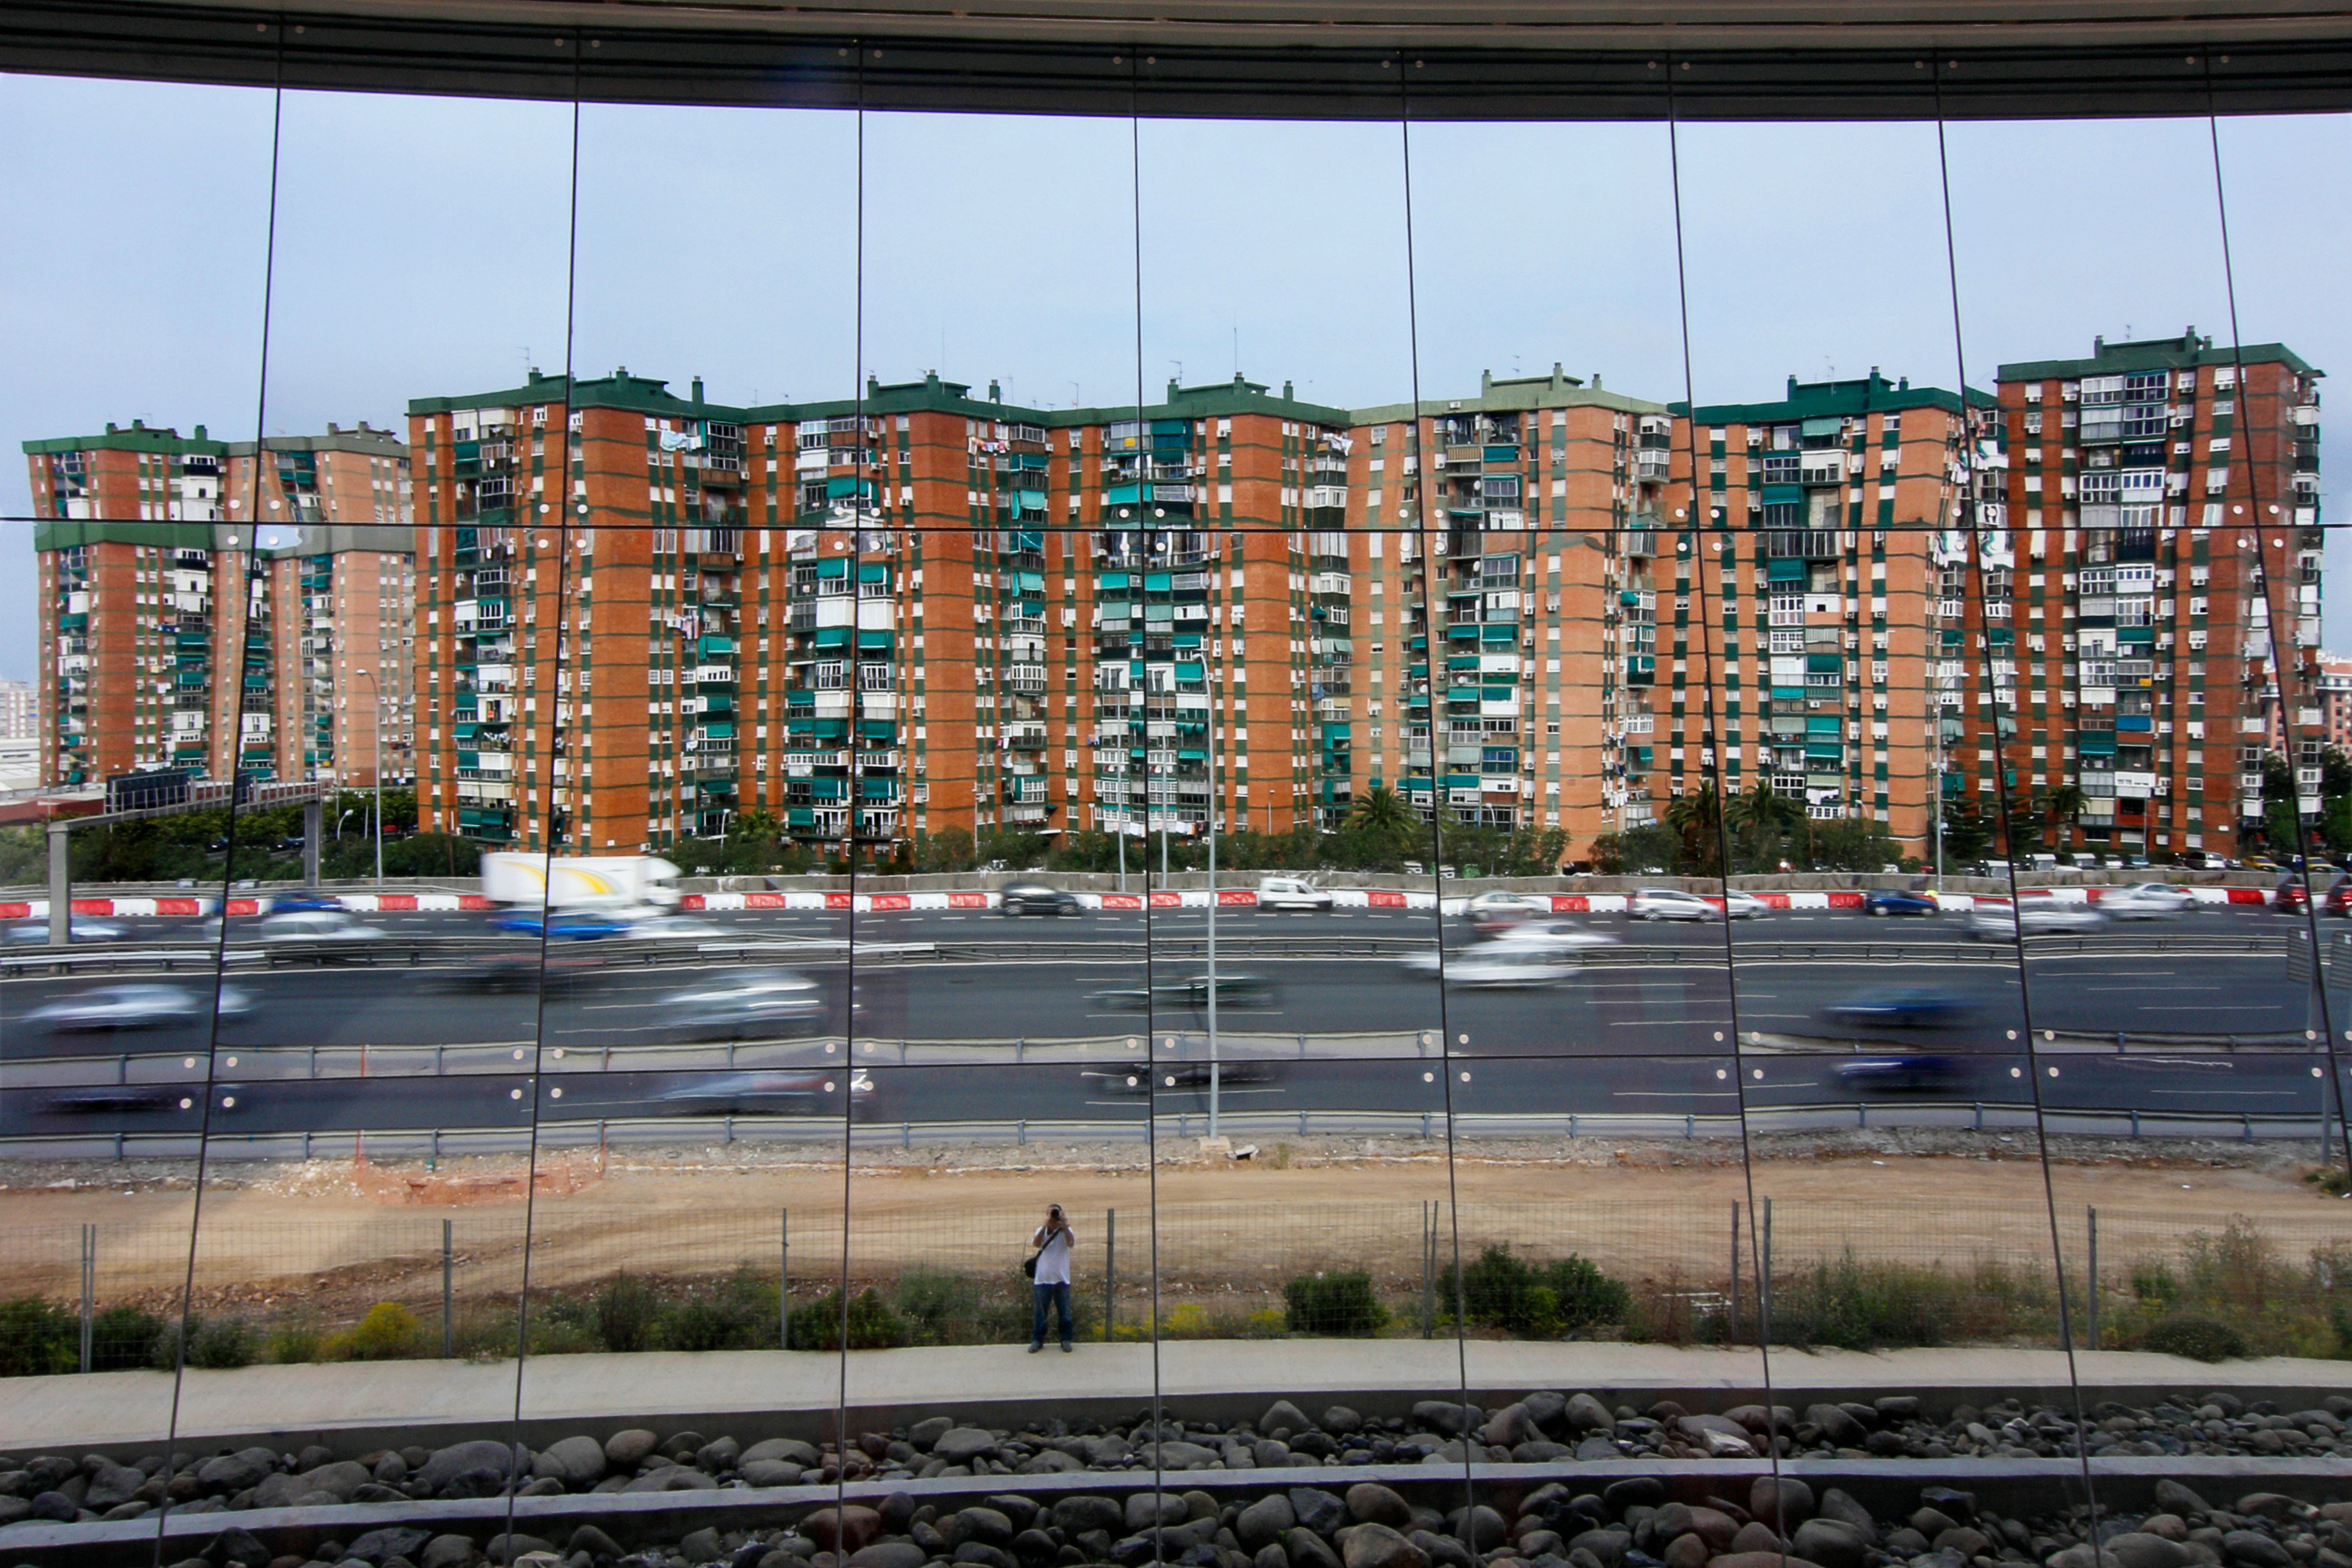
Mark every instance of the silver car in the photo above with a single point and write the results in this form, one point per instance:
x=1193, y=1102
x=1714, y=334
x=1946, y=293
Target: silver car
x=1670, y=905
x=754, y=1004
x=110, y=1007
x=80, y=929
x=2146, y=901
x=2000, y=922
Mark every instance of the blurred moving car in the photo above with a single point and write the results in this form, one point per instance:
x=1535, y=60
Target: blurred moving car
x=1669, y=904
x=113, y=1098
x=568, y=925
x=1509, y=965
x=2338, y=900
x=1038, y=899
x=1916, y=1071
x=1495, y=911
x=294, y=901
x=2290, y=898
x=673, y=928
x=33, y=934
x=749, y=1004
x=135, y=1006
x=316, y=925
x=1233, y=990
x=1185, y=1075
x=1901, y=1008
x=2146, y=901
x=1895, y=902
x=1291, y=893
x=807, y=1092
x=1565, y=936
x=1739, y=906
x=2005, y=922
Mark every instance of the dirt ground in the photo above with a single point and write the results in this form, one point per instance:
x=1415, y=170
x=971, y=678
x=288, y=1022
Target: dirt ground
x=328, y=1230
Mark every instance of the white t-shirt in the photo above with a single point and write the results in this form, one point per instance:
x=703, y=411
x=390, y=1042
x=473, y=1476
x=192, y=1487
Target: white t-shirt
x=1053, y=1263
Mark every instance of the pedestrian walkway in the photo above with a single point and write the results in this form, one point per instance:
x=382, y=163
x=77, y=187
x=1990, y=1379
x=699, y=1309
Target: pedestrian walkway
x=1219, y=1379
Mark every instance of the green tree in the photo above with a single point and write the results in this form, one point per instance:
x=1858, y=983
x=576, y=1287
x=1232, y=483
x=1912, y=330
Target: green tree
x=2062, y=807
x=1694, y=817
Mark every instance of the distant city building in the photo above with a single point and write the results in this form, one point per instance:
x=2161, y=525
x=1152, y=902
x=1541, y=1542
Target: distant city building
x=20, y=711
x=202, y=606
x=2335, y=681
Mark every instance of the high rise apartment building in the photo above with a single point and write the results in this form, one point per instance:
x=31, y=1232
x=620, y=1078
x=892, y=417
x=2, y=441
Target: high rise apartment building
x=873, y=620
x=926, y=610
x=2158, y=499
x=206, y=605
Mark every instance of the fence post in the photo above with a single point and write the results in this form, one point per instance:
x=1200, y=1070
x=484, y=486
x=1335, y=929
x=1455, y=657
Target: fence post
x=726, y=1130
x=1021, y=1133
x=1571, y=1124
x=1980, y=1115
x=448, y=1271
x=1764, y=1281
x=784, y=1279
x=2248, y=1123
x=1690, y=1126
x=1110, y=1270
x=88, y=1288
x=1733, y=1337
x=2091, y=1315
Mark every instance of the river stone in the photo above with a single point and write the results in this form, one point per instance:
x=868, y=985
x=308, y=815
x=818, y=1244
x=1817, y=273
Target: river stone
x=718, y=1455
x=987, y=1525
x=768, y=1473
x=2255, y=1550
x=1368, y=1503
x=1837, y=1425
x=1836, y=1504
x=1606, y=1547
x=448, y=1464
x=626, y=1450
x=1758, y=1560
x=790, y=1450
x=841, y=1530
x=457, y=1551
x=343, y=1478
x=1263, y=1523
x=1686, y=1552
x=1832, y=1543
x=1145, y=1510
x=1780, y=1500
x=236, y=1473
x=1339, y=1418
x=1447, y=1419
x=1507, y=1427
x=1482, y=1530
x=236, y=1544
x=1319, y=1511
x=1076, y=1515
x=1378, y=1546
x=1546, y=1407
x=1309, y=1550
x=591, y=1540
x=887, y=1554
x=111, y=1485
x=2171, y=1497
x=2137, y=1549
x=960, y=1445
x=1283, y=1413
x=392, y=1540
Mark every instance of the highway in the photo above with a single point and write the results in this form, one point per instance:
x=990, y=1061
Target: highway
x=971, y=1017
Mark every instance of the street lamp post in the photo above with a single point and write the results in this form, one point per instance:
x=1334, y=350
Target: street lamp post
x=376, y=738
x=1214, y=801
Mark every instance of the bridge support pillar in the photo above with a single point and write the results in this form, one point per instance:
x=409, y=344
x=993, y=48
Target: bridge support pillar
x=312, y=811
x=60, y=885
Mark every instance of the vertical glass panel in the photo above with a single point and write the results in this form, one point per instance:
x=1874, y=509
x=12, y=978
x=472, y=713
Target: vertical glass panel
x=1883, y=1062
x=698, y=1003
x=106, y=1053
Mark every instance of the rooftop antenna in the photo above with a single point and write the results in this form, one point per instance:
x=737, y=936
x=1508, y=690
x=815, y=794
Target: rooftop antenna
x=1180, y=369
x=1237, y=348
x=1074, y=395
x=524, y=350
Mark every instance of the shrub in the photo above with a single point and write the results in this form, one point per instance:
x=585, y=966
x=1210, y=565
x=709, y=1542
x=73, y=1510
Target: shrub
x=122, y=1337
x=1502, y=1290
x=625, y=1314
x=732, y=1315
x=214, y=1343
x=1853, y=1304
x=872, y=1324
x=939, y=1308
x=1340, y=1305
x=2336, y=1181
x=37, y=1338
x=2199, y=1339
x=388, y=1332
x=292, y=1344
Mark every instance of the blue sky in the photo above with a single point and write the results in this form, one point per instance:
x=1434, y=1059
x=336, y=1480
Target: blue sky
x=423, y=246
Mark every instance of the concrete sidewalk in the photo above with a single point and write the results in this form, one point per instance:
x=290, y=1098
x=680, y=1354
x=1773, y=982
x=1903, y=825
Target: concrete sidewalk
x=755, y=1393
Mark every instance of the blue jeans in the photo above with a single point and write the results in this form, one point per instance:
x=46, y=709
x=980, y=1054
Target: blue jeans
x=1058, y=1297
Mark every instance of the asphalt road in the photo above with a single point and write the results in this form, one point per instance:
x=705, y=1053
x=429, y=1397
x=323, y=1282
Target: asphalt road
x=1647, y=1027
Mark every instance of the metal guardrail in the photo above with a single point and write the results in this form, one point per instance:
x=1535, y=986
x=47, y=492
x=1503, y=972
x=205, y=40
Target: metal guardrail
x=828, y=1133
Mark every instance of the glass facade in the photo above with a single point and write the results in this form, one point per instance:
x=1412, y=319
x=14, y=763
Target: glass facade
x=1634, y=830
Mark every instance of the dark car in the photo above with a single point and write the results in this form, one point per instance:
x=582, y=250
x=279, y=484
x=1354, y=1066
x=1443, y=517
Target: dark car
x=811, y=1091
x=1900, y=1007
x=1172, y=1076
x=296, y=898
x=1891, y=902
x=1914, y=1070
x=564, y=925
x=2291, y=898
x=1233, y=990
x=1038, y=899
x=114, y=1099
x=2339, y=898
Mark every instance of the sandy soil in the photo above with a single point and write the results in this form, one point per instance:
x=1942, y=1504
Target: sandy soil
x=332, y=1232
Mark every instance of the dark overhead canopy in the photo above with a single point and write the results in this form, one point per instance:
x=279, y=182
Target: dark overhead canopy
x=1490, y=59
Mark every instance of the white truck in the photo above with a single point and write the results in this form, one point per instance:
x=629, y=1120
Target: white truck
x=581, y=882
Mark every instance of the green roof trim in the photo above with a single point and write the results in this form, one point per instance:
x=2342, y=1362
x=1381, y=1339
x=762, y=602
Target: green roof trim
x=2186, y=352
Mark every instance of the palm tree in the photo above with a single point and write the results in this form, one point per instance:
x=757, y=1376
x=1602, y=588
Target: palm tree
x=2064, y=804
x=1692, y=815
x=1382, y=811
x=1755, y=815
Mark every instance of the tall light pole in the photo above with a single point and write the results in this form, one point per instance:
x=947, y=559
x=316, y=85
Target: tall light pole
x=375, y=736
x=1215, y=799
